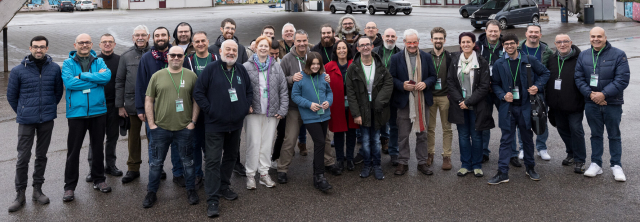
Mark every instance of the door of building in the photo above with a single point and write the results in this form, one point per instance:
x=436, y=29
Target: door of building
x=108, y=4
x=162, y=4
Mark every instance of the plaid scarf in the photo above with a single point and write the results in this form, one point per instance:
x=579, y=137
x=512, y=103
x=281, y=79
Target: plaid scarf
x=161, y=56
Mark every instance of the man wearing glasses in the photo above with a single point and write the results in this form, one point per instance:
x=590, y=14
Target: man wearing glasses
x=125, y=97
x=414, y=76
x=371, y=31
x=84, y=75
x=182, y=37
x=228, y=29
x=349, y=31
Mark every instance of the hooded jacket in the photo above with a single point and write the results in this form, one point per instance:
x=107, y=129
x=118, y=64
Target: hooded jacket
x=81, y=103
x=489, y=53
x=290, y=65
x=32, y=94
x=358, y=94
x=398, y=70
x=190, y=49
x=242, y=53
x=378, y=41
x=126, y=78
x=277, y=90
x=544, y=49
x=146, y=68
x=190, y=63
x=613, y=74
x=337, y=122
x=568, y=98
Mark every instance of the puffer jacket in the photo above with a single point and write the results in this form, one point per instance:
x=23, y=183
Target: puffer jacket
x=80, y=104
x=34, y=95
x=277, y=96
x=613, y=74
x=126, y=78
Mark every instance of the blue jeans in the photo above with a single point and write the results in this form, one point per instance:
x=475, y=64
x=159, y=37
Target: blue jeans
x=393, y=132
x=160, y=146
x=370, y=145
x=302, y=136
x=572, y=133
x=339, y=139
x=198, y=146
x=508, y=140
x=541, y=140
x=598, y=117
x=470, y=142
x=177, y=169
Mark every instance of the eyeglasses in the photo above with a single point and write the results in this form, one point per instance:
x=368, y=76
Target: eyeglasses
x=412, y=43
x=42, y=47
x=140, y=35
x=370, y=27
x=183, y=32
x=438, y=39
x=229, y=28
x=83, y=43
x=566, y=42
x=509, y=44
x=348, y=23
x=108, y=42
x=364, y=45
x=173, y=56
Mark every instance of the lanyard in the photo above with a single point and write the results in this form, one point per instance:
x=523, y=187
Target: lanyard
x=286, y=47
x=264, y=72
x=492, y=50
x=174, y=82
x=386, y=61
x=367, y=77
x=196, y=58
x=300, y=61
x=439, y=64
x=534, y=54
x=325, y=53
x=314, y=88
x=225, y=74
x=462, y=74
x=516, y=76
x=595, y=62
x=560, y=71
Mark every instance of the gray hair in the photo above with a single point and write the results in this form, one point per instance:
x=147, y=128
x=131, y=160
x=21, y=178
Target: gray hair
x=288, y=24
x=300, y=32
x=561, y=34
x=141, y=27
x=228, y=41
x=494, y=22
x=410, y=32
x=355, y=24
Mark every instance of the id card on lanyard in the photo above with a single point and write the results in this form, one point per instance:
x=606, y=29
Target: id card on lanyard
x=179, y=101
x=516, y=90
x=233, y=95
x=594, y=76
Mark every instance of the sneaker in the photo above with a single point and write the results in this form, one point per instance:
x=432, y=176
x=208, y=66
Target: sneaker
x=521, y=155
x=68, y=196
x=478, y=173
x=251, y=183
x=377, y=172
x=179, y=181
x=578, y=167
x=568, y=161
x=358, y=159
x=618, y=174
x=192, y=196
x=366, y=172
x=274, y=165
x=531, y=172
x=462, y=172
x=212, y=210
x=544, y=155
x=515, y=162
x=499, y=178
x=593, y=170
x=102, y=187
x=229, y=194
x=149, y=200
x=266, y=181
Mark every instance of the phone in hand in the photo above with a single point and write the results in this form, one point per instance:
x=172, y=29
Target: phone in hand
x=412, y=82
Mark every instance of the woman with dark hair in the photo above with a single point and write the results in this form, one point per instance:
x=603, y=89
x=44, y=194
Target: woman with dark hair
x=313, y=96
x=469, y=84
x=341, y=123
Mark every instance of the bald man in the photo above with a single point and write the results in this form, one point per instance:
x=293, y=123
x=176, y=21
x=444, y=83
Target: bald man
x=371, y=30
x=84, y=76
x=602, y=74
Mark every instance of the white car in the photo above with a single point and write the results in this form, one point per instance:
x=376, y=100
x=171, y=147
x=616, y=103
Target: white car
x=84, y=5
x=348, y=6
x=390, y=7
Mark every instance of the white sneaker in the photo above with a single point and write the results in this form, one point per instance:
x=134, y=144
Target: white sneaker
x=251, y=183
x=618, y=174
x=274, y=165
x=594, y=170
x=266, y=180
x=521, y=155
x=544, y=155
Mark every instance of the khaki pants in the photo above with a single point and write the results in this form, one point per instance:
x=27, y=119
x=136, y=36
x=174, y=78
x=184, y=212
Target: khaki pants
x=135, y=159
x=329, y=152
x=404, y=130
x=291, y=132
x=440, y=103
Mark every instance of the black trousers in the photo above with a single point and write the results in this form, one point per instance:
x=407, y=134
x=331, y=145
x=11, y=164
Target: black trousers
x=112, y=133
x=77, y=131
x=220, y=157
x=26, y=134
x=277, y=146
x=318, y=132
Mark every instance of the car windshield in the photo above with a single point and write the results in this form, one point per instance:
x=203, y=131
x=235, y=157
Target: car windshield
x=66, y=3
x=353, y=0
x=494, y=4
x=87, y=2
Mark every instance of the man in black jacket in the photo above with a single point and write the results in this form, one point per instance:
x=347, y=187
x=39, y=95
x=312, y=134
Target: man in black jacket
x=228, y=29
x=324, y=48
x=371, y=31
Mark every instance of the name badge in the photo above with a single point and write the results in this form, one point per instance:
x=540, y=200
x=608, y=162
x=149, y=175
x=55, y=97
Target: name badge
x=320, y=111
x=439, y=84
x=369, y=97
x=85, y=91
x=516, y=93
x=233, y=95
x=557, y=84
x=490, y=70
x=594, y=80
x=179, y=105
x=264, y=93
x=346, y=102
x=464, y=93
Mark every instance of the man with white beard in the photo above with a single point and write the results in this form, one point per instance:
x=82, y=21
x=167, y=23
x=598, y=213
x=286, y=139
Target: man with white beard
x=223, y=83
x=349, y=31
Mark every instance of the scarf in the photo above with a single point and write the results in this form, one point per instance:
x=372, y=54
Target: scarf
x=567, y=56
x=160, y=56
x=467, y=65
x=417, y=106
x=261, y=66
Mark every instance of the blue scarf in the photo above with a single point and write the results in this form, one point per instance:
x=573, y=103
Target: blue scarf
x=261, y=66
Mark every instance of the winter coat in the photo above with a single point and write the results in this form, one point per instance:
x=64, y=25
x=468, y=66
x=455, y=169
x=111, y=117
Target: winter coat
x=79, y=103
x=544, y=49
x=277, y=96
x=290, y=66
x=304, y=93
x=480, y=89
x=33, y=94
x=242, y=53
x=613, y=74
x=358, y=94
x=490, y=54
x=146, y=68
x=126, y=78
x=384, y=55
x=568, y=98
x=398, y=70
x=337, y=122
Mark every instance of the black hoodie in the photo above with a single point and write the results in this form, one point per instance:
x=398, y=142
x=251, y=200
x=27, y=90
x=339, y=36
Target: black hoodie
x=242, y=53
x=490, y=53
x=190, y=48
x=378, y=41
x=568, y=98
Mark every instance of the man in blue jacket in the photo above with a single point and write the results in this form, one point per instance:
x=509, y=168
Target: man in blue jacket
x=602, y=74
x=510, y=83
x=34, y=91
x=84, y=75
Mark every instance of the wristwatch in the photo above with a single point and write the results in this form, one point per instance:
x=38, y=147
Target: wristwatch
x=194, y=122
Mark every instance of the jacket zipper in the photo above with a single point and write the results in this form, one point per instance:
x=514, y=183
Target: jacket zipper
x=40, y=98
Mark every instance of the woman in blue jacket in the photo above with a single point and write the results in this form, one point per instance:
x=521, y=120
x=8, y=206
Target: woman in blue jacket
x=313, y=96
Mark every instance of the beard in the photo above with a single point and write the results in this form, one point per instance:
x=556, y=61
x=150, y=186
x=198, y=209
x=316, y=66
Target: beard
x=229, y=61
x=389, y=46
x=160, y=47
x=437, y=46
x=325, y=44
x=348, y=31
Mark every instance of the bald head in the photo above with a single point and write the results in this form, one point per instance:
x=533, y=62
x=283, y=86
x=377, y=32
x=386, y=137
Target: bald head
x=598, y=38
x=389, y=38
x=371, y=29
x=83, y=45
x=175, y=58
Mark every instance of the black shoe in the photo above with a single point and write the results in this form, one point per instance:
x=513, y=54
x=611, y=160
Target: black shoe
x=199, y=182
x=212, y=210
x=89, y=178
x=394, y=160
x=68, y=196
x=499, y=178
x=192, y=195
x=568, y=161
x=102, y=187
x=515, y=162
x=130, y=176
x=18, y=203
x=340, y=165
x=282, y=178
x=229, y=194
x=377, y=172
x=239, y=169
x=358, y=159
x=334, y=170
x=163, y=175
x=320, y=183
x=179, y=181
x=113, y=171
x=531, y=172
x=366, y=171
x=578, y=167
x=149, y=200
x=350, y=165
x=485, y=158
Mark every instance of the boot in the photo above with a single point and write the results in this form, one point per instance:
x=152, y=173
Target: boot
x=446, y=163
x=38, y=195
x=321, y=183
x=429, y=159
x=18, y=202
x=303, y=148
x=385, y=145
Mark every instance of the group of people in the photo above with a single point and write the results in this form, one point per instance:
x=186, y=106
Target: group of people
x=194, y=97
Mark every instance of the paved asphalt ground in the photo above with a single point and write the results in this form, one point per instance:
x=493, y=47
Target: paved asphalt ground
x=561, y=195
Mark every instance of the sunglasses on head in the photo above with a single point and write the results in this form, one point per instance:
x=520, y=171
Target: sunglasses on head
x=179, y=56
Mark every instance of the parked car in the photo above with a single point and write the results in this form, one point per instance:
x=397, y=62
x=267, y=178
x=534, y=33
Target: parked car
x=507, y=12
x=84, y=5
x=470, y=8
x=65, y=6
x=348, y=6
x=389, y=7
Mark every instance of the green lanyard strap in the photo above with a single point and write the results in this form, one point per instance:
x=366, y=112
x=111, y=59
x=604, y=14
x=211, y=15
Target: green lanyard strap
x=516, y=76
x=225, y=74
x=196, y=58
x=595, y=61
x=386, y=61
x=439, y=64
x=492, y=50
x=174, y=82
x=314, y=88
x=367, y=77
x=534, y=54
x=560, y=66
x=325, y=53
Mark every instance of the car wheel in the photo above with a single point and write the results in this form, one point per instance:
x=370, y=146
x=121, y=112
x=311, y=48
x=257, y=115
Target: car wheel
x=407, y=12
x=348, y=11
x=465, y=14
x=386, y=12
x=503, y=24
x=392, y=11
x=92, y=9
x=477, y=26
x=364, y=12
x=535, y=20
x=333, y=10
x=372, y=10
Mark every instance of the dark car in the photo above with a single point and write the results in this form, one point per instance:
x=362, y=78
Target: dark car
x=508, y=13
x=470, y=8
x=65, y=7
